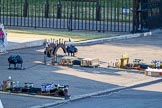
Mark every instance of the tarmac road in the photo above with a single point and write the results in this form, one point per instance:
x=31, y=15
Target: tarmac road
x=148, y=96
x=81, y=80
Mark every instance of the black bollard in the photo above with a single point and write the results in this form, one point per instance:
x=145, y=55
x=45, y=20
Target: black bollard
x=46, y=9
x=98, y=11
x=25, y=9
x=59, y=9
x=70, y=22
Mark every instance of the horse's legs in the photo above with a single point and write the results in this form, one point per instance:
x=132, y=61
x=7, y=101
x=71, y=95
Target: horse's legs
x=15, y=66
x=9, y=65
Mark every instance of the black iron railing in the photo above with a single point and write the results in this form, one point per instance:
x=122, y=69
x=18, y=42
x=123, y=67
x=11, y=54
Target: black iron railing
x=95, y=15
x=147, y=15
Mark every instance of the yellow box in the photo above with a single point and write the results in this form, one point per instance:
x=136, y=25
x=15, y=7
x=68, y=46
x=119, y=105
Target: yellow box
x=124, y=62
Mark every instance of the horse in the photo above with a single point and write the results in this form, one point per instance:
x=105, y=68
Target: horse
x=71, y=50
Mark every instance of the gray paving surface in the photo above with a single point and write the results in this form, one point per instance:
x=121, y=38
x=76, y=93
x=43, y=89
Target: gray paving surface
x=10, y=101
x=81, y=80
x=148, y=96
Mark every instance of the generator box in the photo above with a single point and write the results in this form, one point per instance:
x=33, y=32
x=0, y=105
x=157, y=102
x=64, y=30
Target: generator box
x=67, y=60
x=90, y=62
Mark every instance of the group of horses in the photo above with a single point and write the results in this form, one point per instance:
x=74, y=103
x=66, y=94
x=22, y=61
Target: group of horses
x=52, y=48
x=50, y=51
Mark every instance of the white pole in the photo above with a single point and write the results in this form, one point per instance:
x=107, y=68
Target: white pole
x=1, y=105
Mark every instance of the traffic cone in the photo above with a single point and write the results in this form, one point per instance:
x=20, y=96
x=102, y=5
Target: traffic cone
x=1, y=105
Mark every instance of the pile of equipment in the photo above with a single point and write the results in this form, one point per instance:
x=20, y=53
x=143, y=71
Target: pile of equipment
x=84, y=62
x=120, y=63
x=52, y=89
x=139, y=64
x=52, y=46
